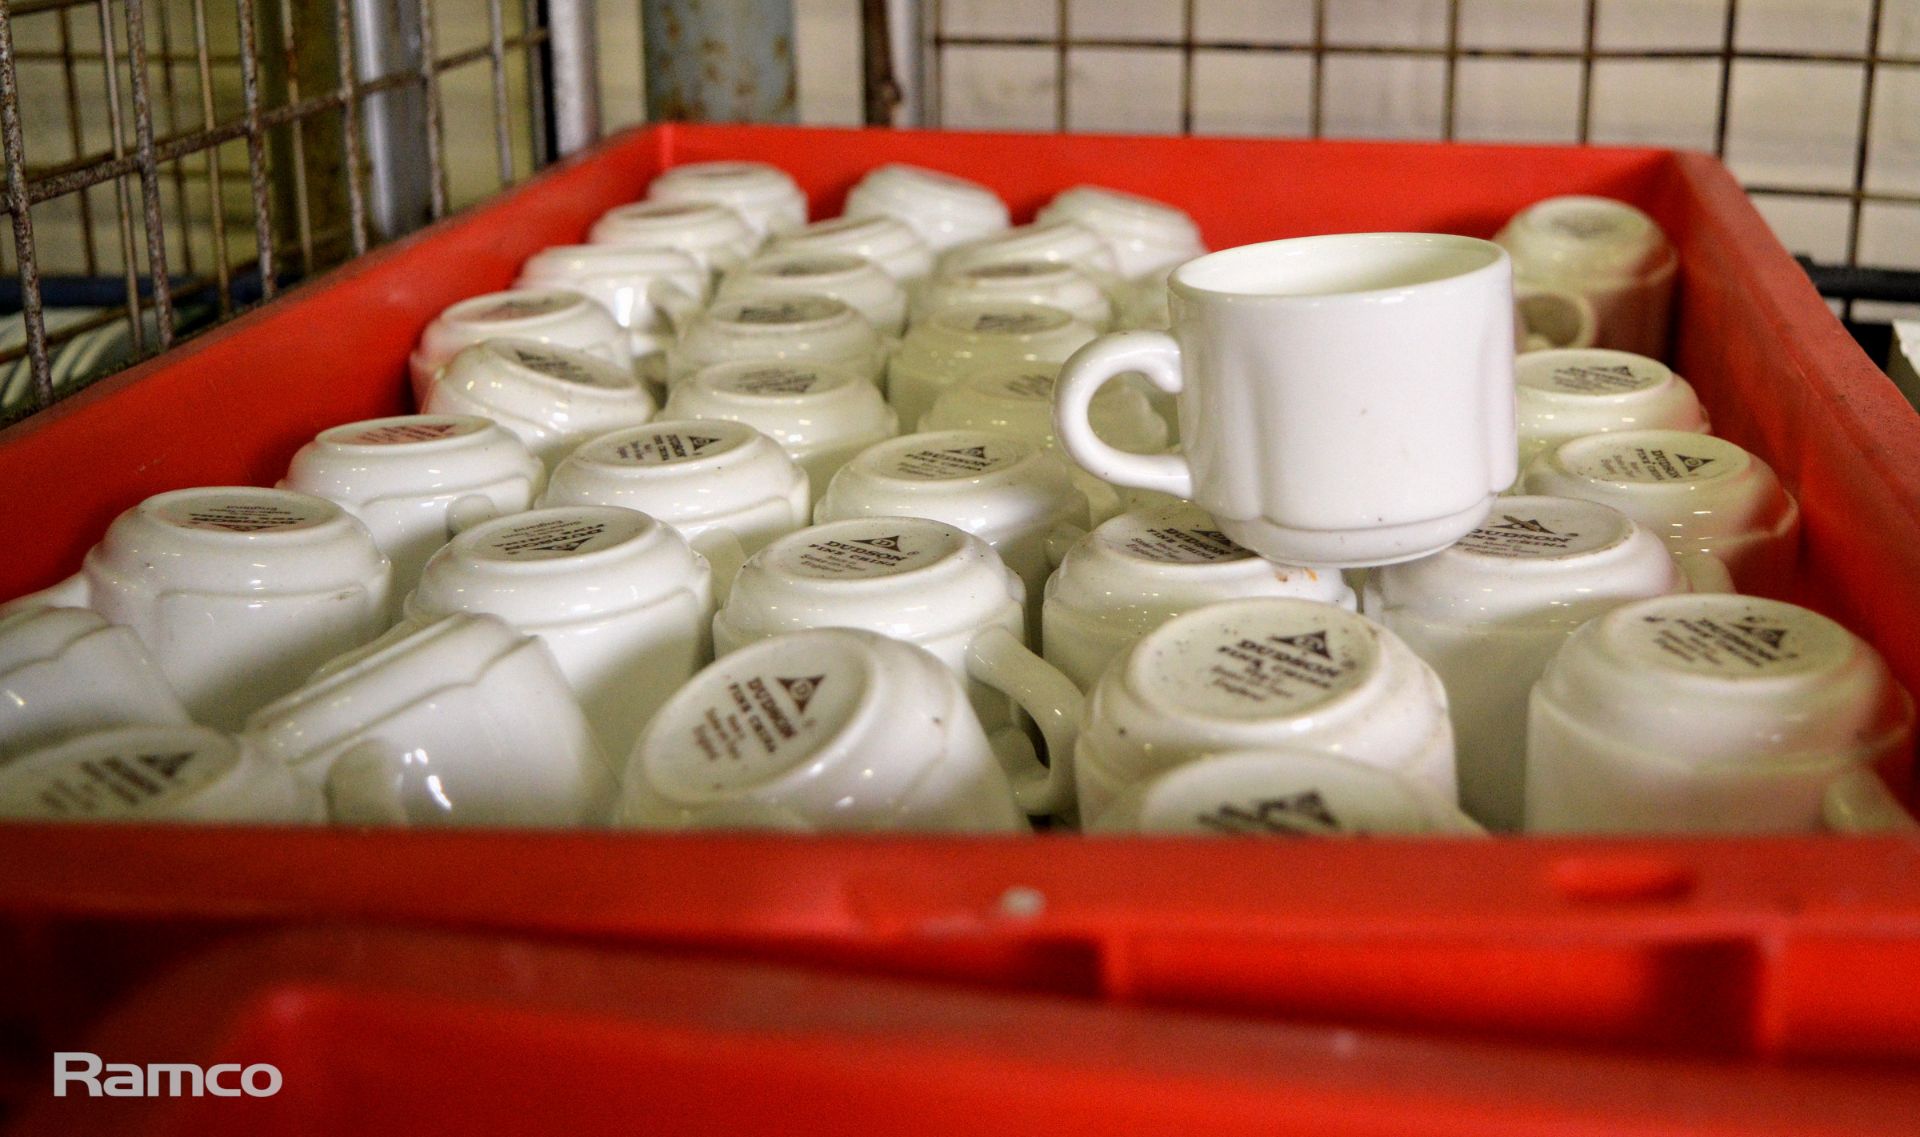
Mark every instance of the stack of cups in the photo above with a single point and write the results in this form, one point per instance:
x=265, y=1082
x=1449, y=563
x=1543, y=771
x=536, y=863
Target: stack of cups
x=157, y=773
x=764, y=196
x=954, y=343
x=1563, y=395
x=716, y=236
x=944, y=210
x=1610, y=255
x=558, y=317
x=551, y=397
x=886, y=241
x=647, y=290
x=785, y=327
x=66, y=671
x=847, y=277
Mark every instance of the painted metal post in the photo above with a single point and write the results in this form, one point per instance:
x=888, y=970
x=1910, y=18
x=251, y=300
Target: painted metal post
x=719, y=60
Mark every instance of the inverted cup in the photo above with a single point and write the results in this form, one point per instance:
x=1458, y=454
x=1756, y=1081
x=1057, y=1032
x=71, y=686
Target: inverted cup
x=713, y=234
x=1146, y=236
x=943, y=209
x=847, y=277
x=551, y=398
x=165, y=773
x=954, y=343
x=765, y=196
x=66, y=672
x=558, y=317
x=782, y=327
x=1566, y=394
x=886, y=241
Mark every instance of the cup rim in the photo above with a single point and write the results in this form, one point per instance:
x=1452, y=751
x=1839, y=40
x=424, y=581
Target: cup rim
x=1494, y=260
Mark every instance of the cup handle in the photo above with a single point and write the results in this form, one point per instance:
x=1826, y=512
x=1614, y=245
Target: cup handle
x=469, y=510
x=1154, y=354
x=998, y=658
x=673, y=303
x=722, y=549
x=1060, y=538
x=72, y=592
x=1859, y=802
x=1577, y=317
x=1705, y=572
x=366, y=785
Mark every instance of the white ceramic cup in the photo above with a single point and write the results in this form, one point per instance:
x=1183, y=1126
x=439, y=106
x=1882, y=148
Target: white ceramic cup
x=1282, y=792
x=819, y=414
x=822, y=730
x=1488, y=612
x=416, y=480
x=462, y=721
x=170, y=773
x=1549, y=319
x=943, y=209
x=1051, y=283
x=953, y=343
x=1146, y=236
x=549, y=397
x=1709, y=714
x=765, y=196
x=1147, y=566
x=1345, y=401
x=847, y=277
x=237, y=592
x=620, y=599
x=785, y=327
x=1063, y=242
x=1018, y=400
x=930, y=584
x=559, y=317
x=712, y=234
x=1700, y=493
x=66, y=671
x=1004, y=490
x=727, y=488
x=886, y=241
x=646, y=289
x=1608, y=252
x=1250, y=674
x=1565, y=394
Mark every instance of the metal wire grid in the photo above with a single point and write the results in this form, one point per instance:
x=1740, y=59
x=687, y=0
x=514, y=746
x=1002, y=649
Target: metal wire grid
x=303, y=88
x=1318, y=48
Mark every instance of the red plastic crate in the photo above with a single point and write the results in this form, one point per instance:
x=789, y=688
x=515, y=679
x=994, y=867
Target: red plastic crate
x=1780, y=947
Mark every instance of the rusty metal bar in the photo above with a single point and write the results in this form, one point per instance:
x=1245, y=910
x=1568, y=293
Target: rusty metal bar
x=77, y=135
x=217, y=209
x=1187, y=15
x=1725, y=55
x=149, y=169
x=350, y=95
x=1448, y=104
x=14, y=144
x=1063, y=19
x=1317, y=97
x=1863, y=142
x=497, y=57
x=436, y=134
x=171, y=95
x=123, y=199
x=297, y=138
x=1589, y=29
x=256, y=145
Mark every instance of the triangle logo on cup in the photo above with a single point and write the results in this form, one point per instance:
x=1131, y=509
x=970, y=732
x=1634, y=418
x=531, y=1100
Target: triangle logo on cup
x=1769, y=636
x=1522, y=524
x=1690, y=462
x=891, y=544
x=166, y=765
x=1315, y=642
x=971, y=452
x=801, y=690
x=1294, y=814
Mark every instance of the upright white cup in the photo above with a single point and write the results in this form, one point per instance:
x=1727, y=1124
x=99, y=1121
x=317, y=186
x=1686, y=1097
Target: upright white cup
x=1146, y=236
x=237, y=592
x=1063, y=242
x=819, y=414
x=461, y=722
x=1701, y=494
x=1004, y=490
x=66, y=672
x=847, y=277
x=551, y=398
x=173, y=773
x=646, y=289
x=932, y=585
x=1250, y=674
x=1345, y=401
x=712, y=234
x=727, y=488
x=1608, y=252
x=1488, y=613
x=1147, y=566
x=1563, y=395
x=1282, y=792
x=416, y=480
x=886, y=241
x=1051, y=283
x=765, y=196
x=943, y=209
x=1708, y=714
x=785, y=327
x=953, y=343
x=559, y=317
x=833, y=729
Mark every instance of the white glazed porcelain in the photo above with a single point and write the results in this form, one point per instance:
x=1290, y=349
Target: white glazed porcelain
x=1146, y=236
x=550, y=397
x=765, y=196
x=1250, y=674
x=648, y=290
x=847, y=277
x=1701, y=494
x=1608, y=252
x=1051, y=283
x=166, y=773
x=819, y=414
x=462, y=721
x=66, y=671
x=930, y=584
x=785, y=327
x=886, y=241
x=1063, y=242
x=1144, y=567
x=1345, y=401
x=1551, y=319
x=620, y=599
x=416, y=480
x=953, y=343
x=944, y=210
x=1004, y=490
x=1282, y=792
x=559, y=317
x=237, y=592
x=712, y=234
x=833, y=729
x=1488, y=612
x=727, y=488
x=1708, y=714
x=1565, y=394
